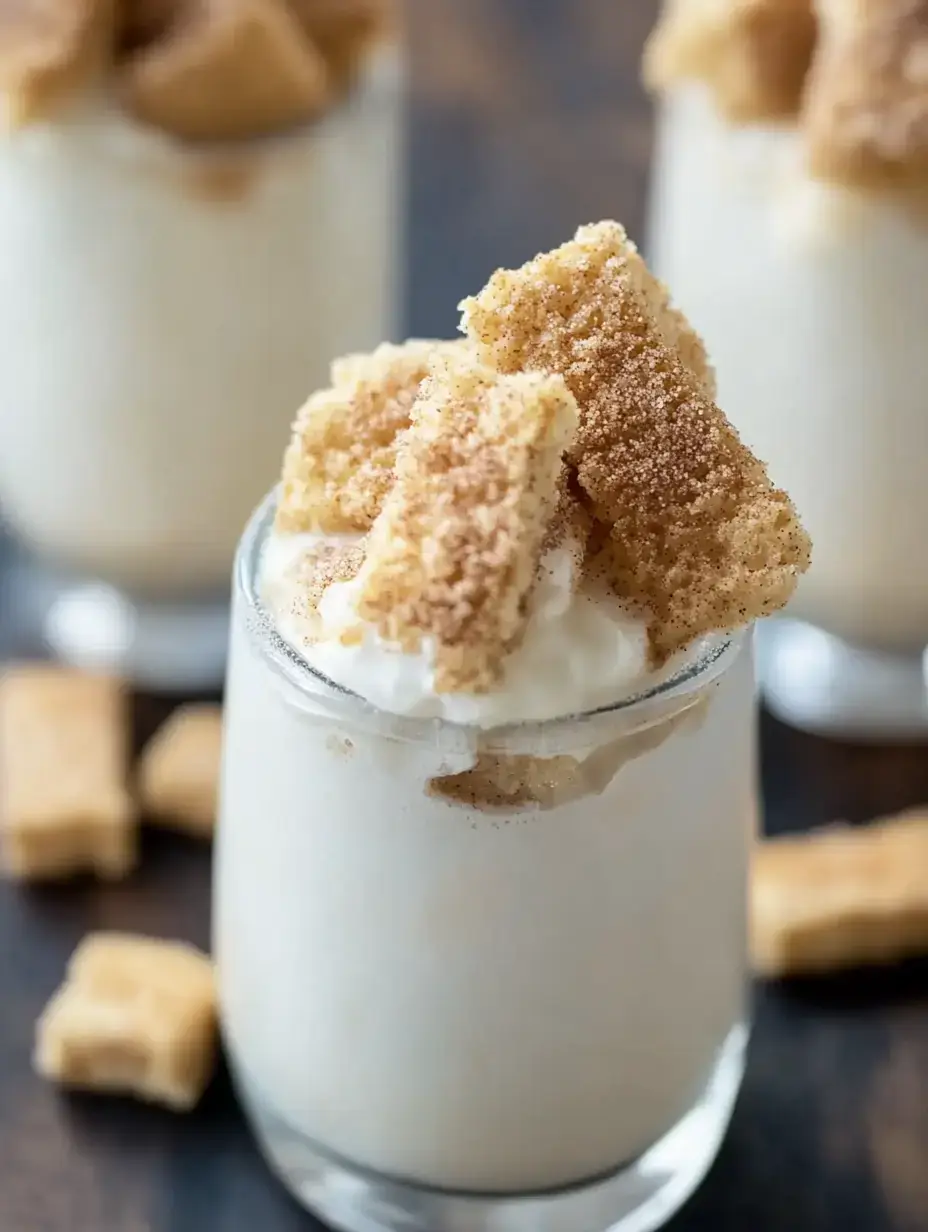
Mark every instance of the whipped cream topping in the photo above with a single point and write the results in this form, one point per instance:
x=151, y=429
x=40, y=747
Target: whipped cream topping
x=580, y=650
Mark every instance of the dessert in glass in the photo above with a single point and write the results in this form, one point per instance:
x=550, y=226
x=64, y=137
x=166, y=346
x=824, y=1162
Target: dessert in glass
x=788, y=215
x=488, y=778
x=198, y=204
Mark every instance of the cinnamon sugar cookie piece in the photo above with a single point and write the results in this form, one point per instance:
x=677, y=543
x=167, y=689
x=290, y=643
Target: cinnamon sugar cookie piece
x=64, y=804
x=343, y=30
x=698, y=536
x=179, y=770
x=842, y=896
x=866, y=109
x=134, y=1016
x=453, y=555
x=339, y=464
x=228, y=70
x=753, y=55
x=49, y=51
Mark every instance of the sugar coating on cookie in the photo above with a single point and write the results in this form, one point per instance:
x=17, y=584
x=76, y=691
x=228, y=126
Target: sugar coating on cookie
x=338, y=466
x=698, y=538
x=454, y=553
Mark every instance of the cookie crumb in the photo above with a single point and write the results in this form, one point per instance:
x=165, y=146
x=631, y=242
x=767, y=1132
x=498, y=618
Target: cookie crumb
x=840, y=896
x=64, y=739
x=179, y=770
x=453, y=555
x=134, y=1016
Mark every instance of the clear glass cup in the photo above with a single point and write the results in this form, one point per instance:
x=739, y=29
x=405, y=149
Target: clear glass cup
x=164, y=310
x=813, y=300
x=482, y=979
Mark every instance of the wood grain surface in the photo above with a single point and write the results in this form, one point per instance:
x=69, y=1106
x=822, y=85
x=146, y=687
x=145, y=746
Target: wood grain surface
x=526, y=118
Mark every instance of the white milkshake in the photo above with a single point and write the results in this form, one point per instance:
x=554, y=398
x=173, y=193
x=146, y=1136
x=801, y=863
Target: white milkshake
x=480, y=880
x=812, y=295
x=164, y=305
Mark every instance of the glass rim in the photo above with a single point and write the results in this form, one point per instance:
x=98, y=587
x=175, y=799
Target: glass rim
x=716, y=654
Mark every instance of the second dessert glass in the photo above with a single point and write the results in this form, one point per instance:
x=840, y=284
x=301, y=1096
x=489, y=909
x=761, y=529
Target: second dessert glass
x=164, y=309
x=482, y=979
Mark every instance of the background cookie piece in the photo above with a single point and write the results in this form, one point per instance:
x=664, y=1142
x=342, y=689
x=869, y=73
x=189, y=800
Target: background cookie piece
x=134, y=1016
x=50, y=51
x=230, y=70
x=842, y=896
x=179, y=770
x=64, y=804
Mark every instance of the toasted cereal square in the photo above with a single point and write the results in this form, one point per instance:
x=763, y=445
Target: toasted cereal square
x=64, y=804
x=841, y=896
x=49, y=52
x=866, y=105
x=134, y=1016
x=179, y=770
x=699, y=539
x=454, y=552
x=753, y=55
x=234, y=69
x=339, y=464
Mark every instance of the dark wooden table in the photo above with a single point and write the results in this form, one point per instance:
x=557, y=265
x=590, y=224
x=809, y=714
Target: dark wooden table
x=527, y=119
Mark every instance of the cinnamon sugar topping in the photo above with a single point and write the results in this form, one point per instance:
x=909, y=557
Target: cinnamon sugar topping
x=752, y=54
x=454, y=553
x=696, y=535
x=339, y=465
x=867, y=103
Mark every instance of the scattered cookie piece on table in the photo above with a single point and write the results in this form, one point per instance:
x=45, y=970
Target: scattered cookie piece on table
x=134, y=1016
x=179, y=770
x=230, y=70
x=64, y=803
x=842, y=896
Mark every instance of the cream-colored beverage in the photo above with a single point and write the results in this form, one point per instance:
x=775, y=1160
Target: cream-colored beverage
x=788, y=215
x=199, y=207
x=488, y=775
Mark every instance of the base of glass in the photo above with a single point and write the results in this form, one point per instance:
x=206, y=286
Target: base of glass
x=170, y=647
x=820, y=684
x=639, y=1197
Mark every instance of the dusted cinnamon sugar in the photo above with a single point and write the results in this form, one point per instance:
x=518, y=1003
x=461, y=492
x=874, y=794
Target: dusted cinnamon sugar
x=338, y=466
x=752, y=54
x=49, y=51
x=866, y=113
x=454, y=553
x=696, y=535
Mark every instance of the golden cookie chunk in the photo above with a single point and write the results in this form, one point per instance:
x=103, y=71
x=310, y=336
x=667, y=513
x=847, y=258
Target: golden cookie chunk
x=64, y=805
x=179, y=770
x=753, y=55
x=454, y=552
x=841, y=896
x=866, y=107
x=232, y=70
x=134, y=1016
x=697, y=536
x=49, y=51
x=339, y=465
x=344, y=30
